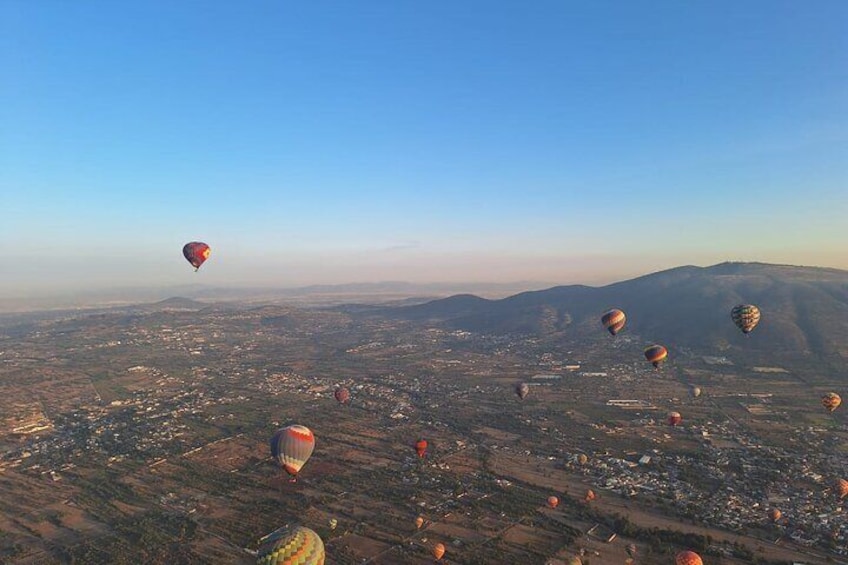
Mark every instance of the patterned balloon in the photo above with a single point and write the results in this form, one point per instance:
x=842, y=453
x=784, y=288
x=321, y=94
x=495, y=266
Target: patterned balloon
x=419, y=522
x=842, y=488
x=674, y=418
x=831, y=401
x=196, y=253
x=614, y=320
x=342, y=395
x=333, y=523
x=590, y=495
x=746, y=317
x=522, y=390
x=575, y=561
x=439, y=550
x=631, y=550
x=291, y=546
x=553, y=501
x=656, y=354
x=582, y=459
x=291, y=447
x=688, y=558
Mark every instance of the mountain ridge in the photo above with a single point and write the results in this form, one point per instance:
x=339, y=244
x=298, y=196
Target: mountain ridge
x=804, y=308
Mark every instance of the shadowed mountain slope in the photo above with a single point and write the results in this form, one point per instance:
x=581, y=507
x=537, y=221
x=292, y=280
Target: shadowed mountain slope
x=804, y=309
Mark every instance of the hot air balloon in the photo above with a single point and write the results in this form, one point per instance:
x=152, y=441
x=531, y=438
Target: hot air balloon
x=553, y=501
x=291, y=546
x=628, y=561
x=291, y=447
x=438, y=551
x=421, y=447
x=746, y=317
x=522, y=390
x=696, y=391
x=590, y=495
x=196, y=253
x=582, y=459
x=688, y=558
x=613, y=320
x=842, y=488
x=419, y=522
x=831, y=401
x=333, y=523
x=631, y=550
x=575, y=561
x=342, y=395
x=656, y=354
x=674, y=418
x=775, y=514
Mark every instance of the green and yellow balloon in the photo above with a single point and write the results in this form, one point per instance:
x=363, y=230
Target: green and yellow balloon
x=291, y=545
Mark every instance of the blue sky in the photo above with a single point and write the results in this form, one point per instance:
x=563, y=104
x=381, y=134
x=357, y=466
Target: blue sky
x=320, y=142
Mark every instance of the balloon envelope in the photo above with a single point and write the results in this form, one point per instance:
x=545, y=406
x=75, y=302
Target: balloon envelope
x=553, y=501
x=291, y=546
x=674, y=418
x=688, y=558
x=842, y=488
x=342, y=395
x=291, y=447
x=831, y=401
x=196, y=253
x=656, y=354
x=745, y=316
x=419, y=522
x=522, y=390
x=614, y=320
x=438, y=550
x=421, y=447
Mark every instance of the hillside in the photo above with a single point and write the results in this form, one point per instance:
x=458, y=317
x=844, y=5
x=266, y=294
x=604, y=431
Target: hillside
x=804, y=308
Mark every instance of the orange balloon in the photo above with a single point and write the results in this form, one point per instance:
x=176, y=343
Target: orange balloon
x=590, y=495
x=831, y=401
x=775, y=514
x=438, y=550
x=842, y=487
x=553, y=501
x=419, y=522
x=688, y=558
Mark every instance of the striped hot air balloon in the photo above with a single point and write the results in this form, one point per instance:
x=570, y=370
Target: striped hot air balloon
x=614, y=320
x=342, y=395
x=291, y=546
x=656, y=354
x=674, y=418
x=842, y=488
x=439, y=551
x=291, y=447
x=688, y=558
x=522, y=390
x=831, y=401
x=196, y=253
x=746, y=317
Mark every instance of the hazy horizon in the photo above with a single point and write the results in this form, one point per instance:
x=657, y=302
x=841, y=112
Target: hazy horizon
x=327, y=143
